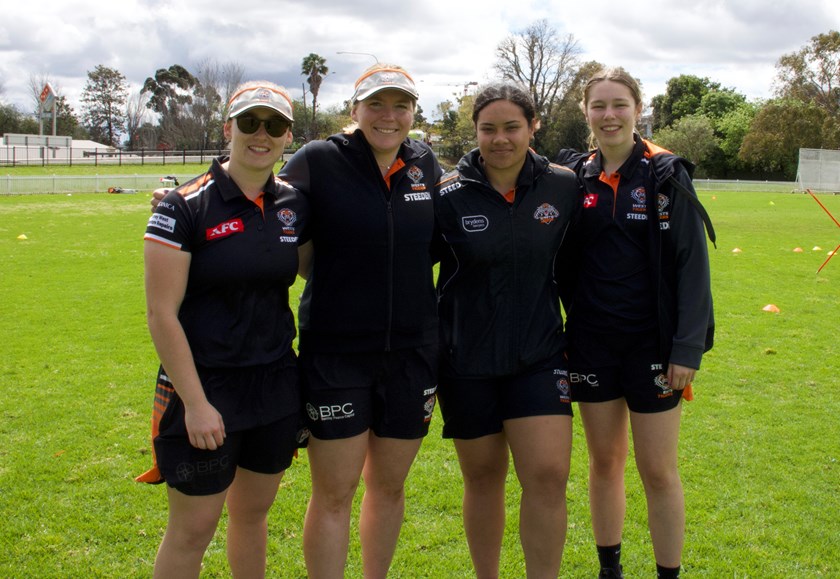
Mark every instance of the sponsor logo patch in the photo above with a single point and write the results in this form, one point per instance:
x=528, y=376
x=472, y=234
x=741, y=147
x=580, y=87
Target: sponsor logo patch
x=588, y=379
x=450, y=188
x=329, y=412
x=162, y=222
x=474, y=223
x=590, y=200
x=225, y=229
x=425, y=196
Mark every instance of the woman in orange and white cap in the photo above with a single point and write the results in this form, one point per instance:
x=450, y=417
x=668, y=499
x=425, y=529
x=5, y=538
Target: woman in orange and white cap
x=221, y=252
x=368, y=323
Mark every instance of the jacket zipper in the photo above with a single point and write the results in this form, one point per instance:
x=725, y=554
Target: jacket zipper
x=389, y=209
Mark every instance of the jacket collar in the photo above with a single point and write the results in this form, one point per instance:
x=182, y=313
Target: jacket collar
x=471, y=167
x=355, y=141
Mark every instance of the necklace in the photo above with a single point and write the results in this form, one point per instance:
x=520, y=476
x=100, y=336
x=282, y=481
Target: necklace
x=388, y=166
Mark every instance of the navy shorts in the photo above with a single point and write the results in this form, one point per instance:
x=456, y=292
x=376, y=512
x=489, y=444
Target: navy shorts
x=263, y=419
x=265, y=449
x=475, y=407
x=390, y=393
x=605, y=367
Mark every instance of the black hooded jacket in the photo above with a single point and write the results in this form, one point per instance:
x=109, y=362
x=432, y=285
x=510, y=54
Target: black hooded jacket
x=371, y=287
x=498, y=302
x=677, y=252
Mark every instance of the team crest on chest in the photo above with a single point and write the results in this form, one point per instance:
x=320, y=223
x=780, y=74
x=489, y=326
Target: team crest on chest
x=416, y=175
x=546, y=213
x=287, y=217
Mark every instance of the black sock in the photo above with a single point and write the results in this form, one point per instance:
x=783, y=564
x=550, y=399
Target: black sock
x=610, y=556
x=667, y=572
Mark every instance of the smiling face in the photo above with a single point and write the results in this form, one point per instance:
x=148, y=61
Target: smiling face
x=257, y=151
x=385, y=119
x=611, y=113
x=504, y=135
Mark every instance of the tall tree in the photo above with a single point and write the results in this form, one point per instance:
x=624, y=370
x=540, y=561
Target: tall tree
x=67, y=123
x=217, y=82
x=136, y=111
x=692, y=137
x=314, y=67
x=171, y=93
x=682, y=97
x=103, y=100
x=777, y=133
x=544, y=63
x=812, y=75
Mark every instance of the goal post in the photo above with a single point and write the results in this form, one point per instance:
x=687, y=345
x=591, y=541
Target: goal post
x=819, y=170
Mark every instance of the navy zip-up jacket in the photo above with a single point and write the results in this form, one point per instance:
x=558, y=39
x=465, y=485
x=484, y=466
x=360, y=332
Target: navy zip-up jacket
x=678, y=259
x=371, y=287
x=498, y=301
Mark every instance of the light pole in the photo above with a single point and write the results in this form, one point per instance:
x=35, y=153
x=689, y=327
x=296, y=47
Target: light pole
x=373, y=56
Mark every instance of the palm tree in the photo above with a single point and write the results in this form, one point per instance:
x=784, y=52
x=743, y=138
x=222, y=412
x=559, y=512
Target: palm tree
x=314, y=67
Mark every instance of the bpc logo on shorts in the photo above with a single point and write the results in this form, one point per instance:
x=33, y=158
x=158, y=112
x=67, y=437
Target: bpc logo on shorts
x=331, y=412
x=588, y=379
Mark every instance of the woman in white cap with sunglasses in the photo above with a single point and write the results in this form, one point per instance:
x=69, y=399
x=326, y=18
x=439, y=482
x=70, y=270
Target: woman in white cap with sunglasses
x=368, y=325
x=221, y=252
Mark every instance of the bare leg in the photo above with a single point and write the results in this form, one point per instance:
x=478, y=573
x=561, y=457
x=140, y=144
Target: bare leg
x=191, y=526
x=655, y=440
x=542, y=447
x=383, y=505
x=484, y=465
x=605, y=425
x=336, y=466
x=249, y=499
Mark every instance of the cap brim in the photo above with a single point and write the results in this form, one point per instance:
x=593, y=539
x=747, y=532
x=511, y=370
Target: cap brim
x=369, y=93
x=260, y=105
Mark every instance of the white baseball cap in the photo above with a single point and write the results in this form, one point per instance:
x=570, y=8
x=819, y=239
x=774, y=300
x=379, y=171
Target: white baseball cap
x=260, y=96
x=380, y=79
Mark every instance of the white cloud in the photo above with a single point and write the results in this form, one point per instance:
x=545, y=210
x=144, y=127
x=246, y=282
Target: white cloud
x=444, y=44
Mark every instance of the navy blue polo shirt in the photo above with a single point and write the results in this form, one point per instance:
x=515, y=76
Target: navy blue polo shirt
x=615, y=291
x=235, y=310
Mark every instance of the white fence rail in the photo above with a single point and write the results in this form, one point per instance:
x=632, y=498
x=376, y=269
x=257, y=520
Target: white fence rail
x=53, y=184
x=749, y=186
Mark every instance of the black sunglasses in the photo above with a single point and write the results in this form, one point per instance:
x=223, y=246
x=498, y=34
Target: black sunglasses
x=275, y=126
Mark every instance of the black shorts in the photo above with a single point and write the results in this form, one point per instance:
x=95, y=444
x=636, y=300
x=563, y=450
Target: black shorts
x=390, y=393
x=265, y=449
x=605, y=367
x=261, y=410
x=475, y=407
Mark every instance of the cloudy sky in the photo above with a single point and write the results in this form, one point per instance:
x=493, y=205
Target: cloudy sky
x=443, y=43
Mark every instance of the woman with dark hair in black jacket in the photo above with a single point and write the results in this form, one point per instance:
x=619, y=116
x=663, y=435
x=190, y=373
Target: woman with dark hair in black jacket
x=504, y=385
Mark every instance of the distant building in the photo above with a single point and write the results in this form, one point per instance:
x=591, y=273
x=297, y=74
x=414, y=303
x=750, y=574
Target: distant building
x=19, y=149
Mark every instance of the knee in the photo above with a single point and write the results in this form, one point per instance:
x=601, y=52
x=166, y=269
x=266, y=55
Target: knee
x=194, y=535
x=659, y=479
x=607, y=465
x=548, y=481
x=485, y=477
x=334, y=498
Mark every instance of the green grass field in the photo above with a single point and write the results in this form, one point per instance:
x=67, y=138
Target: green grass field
x=759, y=448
